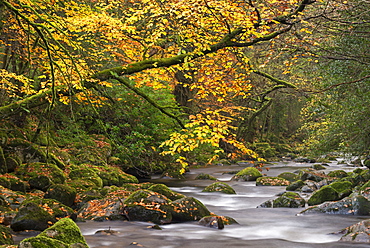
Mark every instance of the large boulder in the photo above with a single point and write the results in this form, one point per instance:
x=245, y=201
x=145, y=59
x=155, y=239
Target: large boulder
x=164, y=190
x=337, y=174
x=87, y=174
x=286, y=200
x=102, y=209
x=332, y=192
x=63, y=234
x=312, y=175
x=114, y=176
x=203, y=176
x=38, y=214
x=62, y=193
x=359, y=232
x=220, y=187
x=188, y=209
x=291, y=177
x=145, y=205
x=353, y=205
x=295, y=186
x=34, y=170
x=247, y=174
x=272, y=181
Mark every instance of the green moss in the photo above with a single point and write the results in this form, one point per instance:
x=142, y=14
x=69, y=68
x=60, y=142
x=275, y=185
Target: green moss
x=291, y=177
x=188, y=209
x=53, y=172
x=145, y=196
x=344, y=188
x=5, y=236
x=65, y=230
x=338, y=174
x=86, y=174
x=318, y=167
x=272, y=181
x=164, y=190
x=220, y=187
x=248, y=174
x=17, y=184
x=324, y=194
x=62, y=193
x=4, y=182
x=290, y=200
x=42, y=242
x=203, y=176
x=40, y=182
x=114, y=176
x=295, y=185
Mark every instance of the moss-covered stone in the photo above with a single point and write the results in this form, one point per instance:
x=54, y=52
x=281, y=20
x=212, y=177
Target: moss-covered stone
x=42, y=242
x=114, y=176
x=86, y=174
x=247, y=174
x=164, y=190
x=53, y=172
x=286, y=200
x=40, y=182
x=102, y=209
x=17, y=184
x=37, y=214
x=66, y=231
x=3, y=166
x=312, y=175
x=5, y=236
x=12, y=163
x=145, y=205
x=220, y=187
x=203, y=176
x=318, y=167
x=295, y=185
x=291, y=177
x=272, y=181
x=4, y=181
x=62, y=193
x=188, y=209
x=324, y=194
x=344, y=188
x=337, y=174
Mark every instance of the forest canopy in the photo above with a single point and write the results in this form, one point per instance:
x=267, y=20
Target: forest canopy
x=186, y=81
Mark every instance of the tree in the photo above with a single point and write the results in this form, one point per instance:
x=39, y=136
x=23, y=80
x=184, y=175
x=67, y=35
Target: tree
x=68, y=50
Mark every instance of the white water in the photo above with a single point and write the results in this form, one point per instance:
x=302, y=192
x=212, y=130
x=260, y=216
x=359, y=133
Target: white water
x=258, y=227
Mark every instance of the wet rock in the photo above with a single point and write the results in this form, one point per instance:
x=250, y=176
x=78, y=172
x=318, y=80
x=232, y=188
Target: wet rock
x=145, y=205
x=332, y=192
x=247, y=174
x=295, y=186
x=13, y=199
x=220, y=187
x=272, y=181
x=359, y=232
x=164, y=190
x=337, y=174
x=312, y=175
x=38, y=214
x=286, y=200
x=64, y=233
x=106, y=232
x=291, y=177
x=5, y=236
x=188, y=209
x=354, y=205
x=212, y=221
x=40, y=182
x=31, y=170
x=318, y=167
x=203, y=176
x=62, y=193
x=102, y=209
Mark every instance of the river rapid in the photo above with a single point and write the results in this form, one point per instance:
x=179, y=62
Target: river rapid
x=258, y=227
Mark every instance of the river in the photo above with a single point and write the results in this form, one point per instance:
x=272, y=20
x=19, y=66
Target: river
x=258, y=227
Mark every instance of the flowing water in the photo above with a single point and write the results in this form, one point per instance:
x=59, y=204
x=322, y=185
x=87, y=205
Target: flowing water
x=258, y=227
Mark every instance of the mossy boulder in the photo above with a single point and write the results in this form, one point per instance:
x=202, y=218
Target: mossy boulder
x=295, y=186
x=32, y=170
x=38, y=214
x=62, y=193
x=17, y=184
x=40, y=182
x=291, y=177
x=204, y=176
x=337, y=174
x=318, y=167
x=145, y=205
x=344, y=188
x=312, y=175
x=247, y=174
x=286, y=200
x=272, y=181
x=114, y=176
x=87, y=174
x=64, y=233
x=102, y=209
x=367, y=162
x=324, y=194
x=188, y=209
x=220, y=187
x=353, y=205
x=6, y=237
x=164, y=190
x=4, y=181
x=12, y=198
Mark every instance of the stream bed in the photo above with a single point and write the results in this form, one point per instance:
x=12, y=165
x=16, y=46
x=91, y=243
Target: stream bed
x=258, y=227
